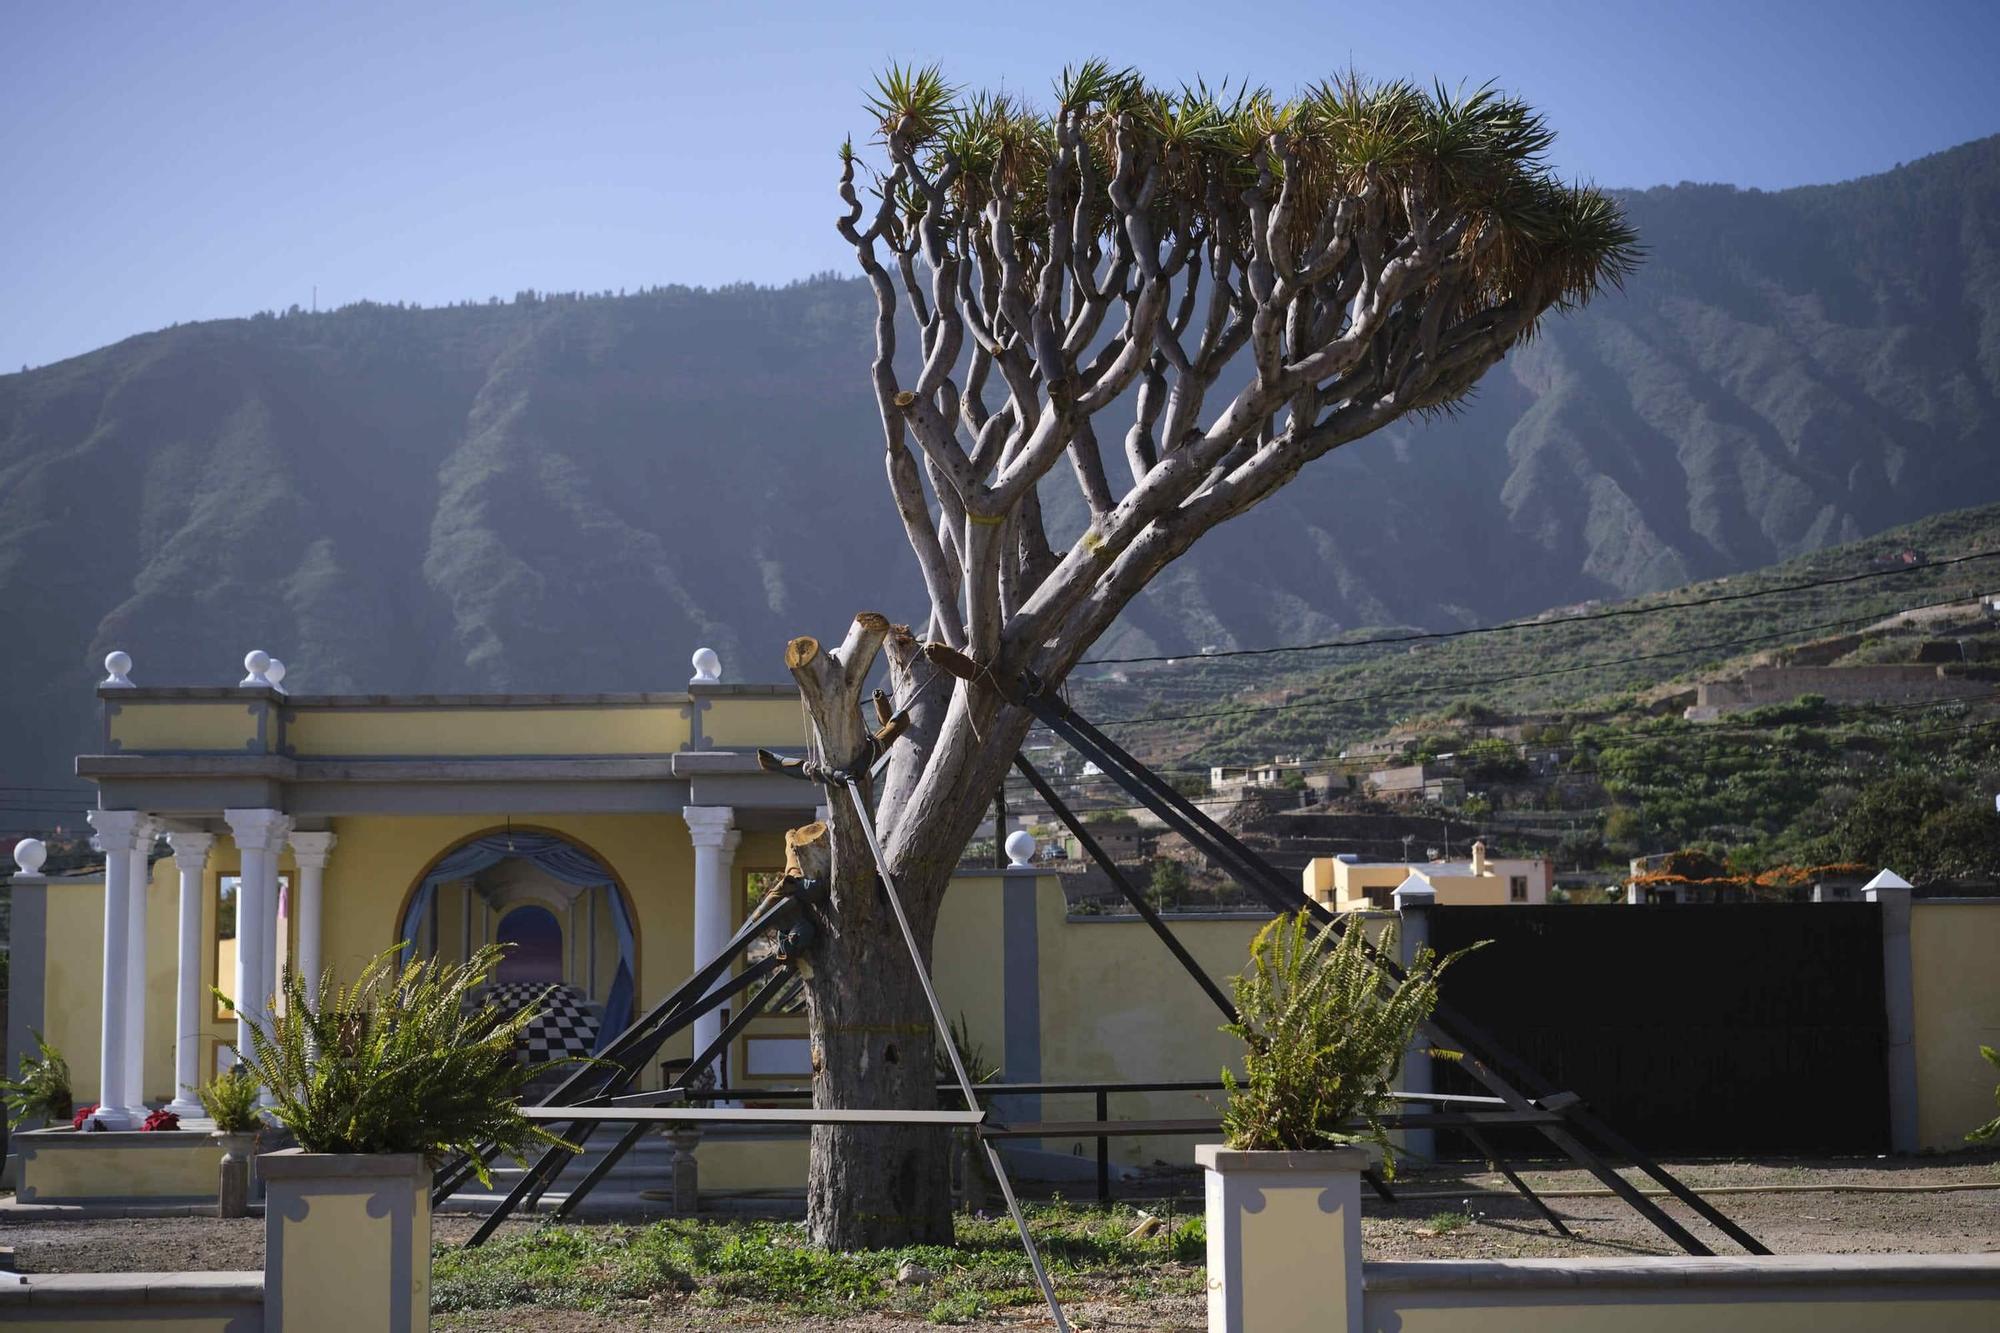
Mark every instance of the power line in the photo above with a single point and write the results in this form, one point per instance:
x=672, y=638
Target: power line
x=1447, y=687
x=1609, y=613
x=1706, y=735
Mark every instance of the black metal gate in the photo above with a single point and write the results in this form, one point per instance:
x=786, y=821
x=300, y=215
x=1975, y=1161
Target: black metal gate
x=1699, y=1029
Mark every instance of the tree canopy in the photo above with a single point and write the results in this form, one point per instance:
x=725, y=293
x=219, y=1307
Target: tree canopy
x=1365, y=250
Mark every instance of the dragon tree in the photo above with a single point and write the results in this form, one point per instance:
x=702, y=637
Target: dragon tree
x=1176, y=299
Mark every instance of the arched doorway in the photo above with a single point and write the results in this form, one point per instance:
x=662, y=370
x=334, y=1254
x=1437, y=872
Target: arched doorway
x=559, y=908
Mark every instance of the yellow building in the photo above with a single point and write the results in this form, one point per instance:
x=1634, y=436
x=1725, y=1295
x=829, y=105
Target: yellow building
x=612, y=840
x=1349, y=884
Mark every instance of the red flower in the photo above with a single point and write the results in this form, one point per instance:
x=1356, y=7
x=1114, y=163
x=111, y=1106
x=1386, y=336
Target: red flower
x=162, y=1119
x=83, y=1113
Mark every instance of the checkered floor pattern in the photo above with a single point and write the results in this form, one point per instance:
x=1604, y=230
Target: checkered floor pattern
x=564, y=1028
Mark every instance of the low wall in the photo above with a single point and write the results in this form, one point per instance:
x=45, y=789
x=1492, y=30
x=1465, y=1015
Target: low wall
x=1777, y=1294
x=1955, y=983
x=1857, y=684
x=163, y=1302
x=64, y=1166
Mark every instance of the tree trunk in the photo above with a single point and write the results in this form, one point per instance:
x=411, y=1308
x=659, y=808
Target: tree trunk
x=876, y=1185
x=872, y=1033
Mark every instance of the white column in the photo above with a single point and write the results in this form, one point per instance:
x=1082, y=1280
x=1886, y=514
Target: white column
x=310, y=850
x=258, y=834
x=137, y=1000
x=191, y=859
x=118, y=837
x=712, y=829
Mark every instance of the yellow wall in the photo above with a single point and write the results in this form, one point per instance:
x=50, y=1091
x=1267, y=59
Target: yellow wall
x=649, y=729
x=1955, y=965
x=106, y=1317
x=1116, y=1006
x=739, y=722
x=106, y=1166
x=184, y=725
x=1764, y=1309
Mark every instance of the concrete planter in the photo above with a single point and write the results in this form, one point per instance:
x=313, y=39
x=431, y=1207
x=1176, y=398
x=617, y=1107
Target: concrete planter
x=115, y=1166
x=232, y=1191
x=347, y=1242
x=1284, y=1239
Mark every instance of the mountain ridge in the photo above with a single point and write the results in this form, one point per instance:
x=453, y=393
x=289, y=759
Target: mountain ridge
x=526, y=495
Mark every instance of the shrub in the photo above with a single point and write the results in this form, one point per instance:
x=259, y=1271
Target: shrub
x=1991, y=1129
x=399, y=1061
x=162, y=1119
x=230, y=1098
x=42, y=1090
x=1326, y=1028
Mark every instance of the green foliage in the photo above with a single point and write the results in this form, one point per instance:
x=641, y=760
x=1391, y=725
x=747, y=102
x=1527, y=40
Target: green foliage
x=978, y=1067
x=230, y=1098
x=398, y=1061
x=1170, y=881
x=1188, y=1242
x=1923, y=828
x=1326, y=1028
x=772, y=1265
x=1493, y=760
x=1480, y=154
x=1991, y=1129
x=42, y=1090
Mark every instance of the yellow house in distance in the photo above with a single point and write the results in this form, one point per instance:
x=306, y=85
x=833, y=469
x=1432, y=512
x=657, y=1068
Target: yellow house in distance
x=1350, y=884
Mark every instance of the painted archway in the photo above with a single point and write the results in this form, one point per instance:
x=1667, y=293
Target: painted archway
x=569, y=902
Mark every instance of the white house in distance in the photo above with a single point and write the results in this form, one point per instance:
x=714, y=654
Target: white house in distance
x=1350, y=884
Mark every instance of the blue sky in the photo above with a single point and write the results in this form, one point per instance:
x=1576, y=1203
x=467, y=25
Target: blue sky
x=169, y=161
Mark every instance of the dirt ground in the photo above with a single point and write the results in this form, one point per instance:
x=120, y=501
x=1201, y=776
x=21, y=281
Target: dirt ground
x=1837, y=1207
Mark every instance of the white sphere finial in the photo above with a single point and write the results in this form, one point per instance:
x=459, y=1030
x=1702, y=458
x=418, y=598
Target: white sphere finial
x=275, y=673
x=29, y=853
x=117, y=666
x=707, y=667
x=255, y=663
x=1021, y=847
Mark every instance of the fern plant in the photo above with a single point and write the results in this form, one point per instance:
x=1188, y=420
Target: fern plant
x=399, y=1061
x=1991, y=1129
x=42, y=1090
x=1325, y=1029
x=230, y=1098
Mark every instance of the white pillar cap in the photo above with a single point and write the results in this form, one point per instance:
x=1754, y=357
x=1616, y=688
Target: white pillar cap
x=1021, y=848
x=312, y=847
x=255, y=663
x=29, y=853
x=117, y=665
x=275, y=674
x=1888, y=879
x=707, y=667
x=1416, y=891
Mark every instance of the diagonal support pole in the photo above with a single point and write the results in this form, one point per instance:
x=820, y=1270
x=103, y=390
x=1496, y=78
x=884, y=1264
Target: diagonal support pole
x=951, y=1049
x=1485, y=1060
x=1485, y=1149
x=605, y=1067
x=781, y=986
x=1124, y=886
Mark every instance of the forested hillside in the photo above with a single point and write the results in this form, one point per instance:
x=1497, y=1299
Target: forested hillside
x=574, y=493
